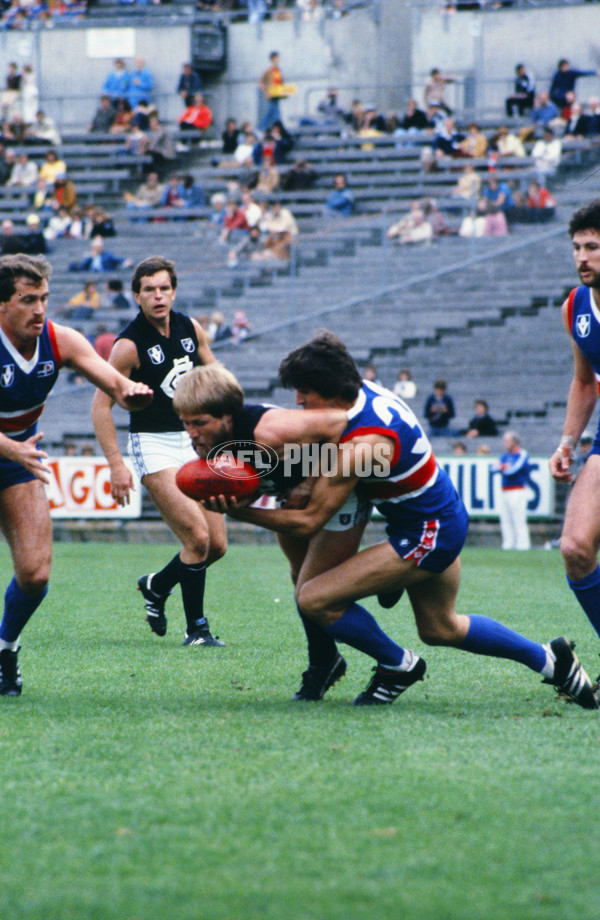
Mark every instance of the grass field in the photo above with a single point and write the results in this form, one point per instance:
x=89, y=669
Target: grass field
x=146, y=781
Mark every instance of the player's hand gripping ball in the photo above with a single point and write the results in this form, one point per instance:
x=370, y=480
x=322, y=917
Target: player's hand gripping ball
x=199, y=479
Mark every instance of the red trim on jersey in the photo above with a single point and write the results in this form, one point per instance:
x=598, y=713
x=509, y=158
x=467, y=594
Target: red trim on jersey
x=570, y=302
x=21, y=422
x=374, y=429
x=387, y=488
x=427, y=543
x=54, y=343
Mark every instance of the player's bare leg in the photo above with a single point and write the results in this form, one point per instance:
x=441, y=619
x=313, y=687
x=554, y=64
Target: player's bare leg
x=203, y=538
x=28, y=531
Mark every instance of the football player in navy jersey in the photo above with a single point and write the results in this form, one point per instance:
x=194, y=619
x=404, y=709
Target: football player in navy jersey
x=32, y=351
x=581, y=317
x=426, y=527
x=158, y=347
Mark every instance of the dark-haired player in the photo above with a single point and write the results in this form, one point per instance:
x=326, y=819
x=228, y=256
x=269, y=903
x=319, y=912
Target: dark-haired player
x=426, y=528
x=158, y=347
x=581, y=317
x=32, y=351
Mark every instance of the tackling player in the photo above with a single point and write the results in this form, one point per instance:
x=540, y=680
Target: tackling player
x=32, y=351
x=158, y=347
x=581, y=317
x=426, y=527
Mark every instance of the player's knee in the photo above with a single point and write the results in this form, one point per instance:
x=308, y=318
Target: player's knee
x=217, y=550
x=438, y=634
x=309, y=602
x=578, y=556
x=34, y=580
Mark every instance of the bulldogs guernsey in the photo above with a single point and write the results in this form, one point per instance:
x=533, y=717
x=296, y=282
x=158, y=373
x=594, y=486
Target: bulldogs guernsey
x=584, y=325
x=417, y=497
x=162, y=362
x=25, y=384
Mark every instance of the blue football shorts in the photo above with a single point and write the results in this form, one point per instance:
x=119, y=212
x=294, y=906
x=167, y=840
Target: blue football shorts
x=434, y=542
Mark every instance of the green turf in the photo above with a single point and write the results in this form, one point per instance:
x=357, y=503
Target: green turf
x=145, y=780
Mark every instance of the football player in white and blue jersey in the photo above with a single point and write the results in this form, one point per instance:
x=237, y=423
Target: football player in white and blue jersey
x=384, y=455
x=580, y=538
x=32, y=351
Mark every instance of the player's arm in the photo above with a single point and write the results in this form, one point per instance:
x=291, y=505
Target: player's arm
x=581, y=401
x=123, y=358
x=204, y=353
x=279, y=427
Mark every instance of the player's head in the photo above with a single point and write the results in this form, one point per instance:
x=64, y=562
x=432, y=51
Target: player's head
x=586, y=218
x=208, y=390
x=34, y=269
x=323, y=366
x=151, y=266
x=584, y=229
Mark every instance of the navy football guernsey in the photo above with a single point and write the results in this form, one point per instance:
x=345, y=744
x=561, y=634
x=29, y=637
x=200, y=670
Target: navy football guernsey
x=584, y=325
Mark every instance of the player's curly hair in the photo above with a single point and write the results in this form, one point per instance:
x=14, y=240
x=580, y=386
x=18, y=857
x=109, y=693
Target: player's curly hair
x=208, y=390
x=151, y=266
x=323, y=365
x=586, y=218
x=34, y=268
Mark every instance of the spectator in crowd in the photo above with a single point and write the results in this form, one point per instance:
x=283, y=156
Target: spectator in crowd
x=494, y=222
x=330, y=110
x=498, y=193
x=482, y=424
x=24, y=173
x=123, y=117
x=191, y=193
x=282, y=142
x=243, y=155
x=136, y=141
x=439, y=409
x=475, y=144
x=341, y=201
x=10, y=95
x=300, y=176
x=33, y=241
x=148, y=195
x=403, y=228
x=189, y=83
x=63, y=194
x=539, y=197
x=370, y=374
x=52, y=168
x=523, y=93
x=218, y=329
x=99, y=259
x=535, y=206
x=578, y=124
x=6, y=164
x=116, y=296
x=116, y=84
x=241, y=326
x=197, y=116
x=546, y=154
x=230, y=137
x=405, y=387
x=515, y=468
x=59, y=225
x=161, y=146
x=44, y=130
x=564, y=80
x=235, y=225
x=447, y=139
x=28, y=95
x=218, y=202
x=83, y=304
x=247, y=247
x=76, y=226
x=543, y=114
x=270, y=85
x=104, y=117
x=508, y=144
x=252, y=210
x=414, y=121
x=468, y=185
x=100, y=223
x=10, y=242
x=434, y=93
x=435, y=218
x=267, y=180
x=141, y=83
x=459, y=449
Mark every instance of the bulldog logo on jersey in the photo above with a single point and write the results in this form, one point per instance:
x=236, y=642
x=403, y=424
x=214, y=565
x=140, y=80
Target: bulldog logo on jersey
x=583, y=325
x=46, y=369
x=8, y=375
x=188, y=345
x=156, y=354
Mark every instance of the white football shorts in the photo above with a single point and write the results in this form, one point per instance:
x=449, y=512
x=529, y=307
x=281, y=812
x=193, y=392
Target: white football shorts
x=151, y=451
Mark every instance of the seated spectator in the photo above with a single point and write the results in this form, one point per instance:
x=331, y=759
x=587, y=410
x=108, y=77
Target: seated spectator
x=241, y=326
x=544, y=113
x=191, y=193
x=536, y=206
x=370, y=374
x=44, y=130
x=148, y=195
x=508, y=144
x=439, y=409
x=82, y=305
x=523, y=92
x=141, y=83
x=33, y=241
x=218, y=329
x=137, y=141
x=413, y=122
x=6, y=165
x=76, y=228
x=243, y=155
x=268, y=177
x=246, y=247
x=539, y=197
x=494, y=219
x=197, y=116
x=578, y=124
x=161, y=145
x=459, y=449
x=52, y=168
x=235, y=226
x=189, y=84
x=341, y=201
x=447, y=139
x=104, y=117
x=546, y=154
x=123, y=118
x=405, y=387
x=301, y=176
x=24, y=173
x=468, y=185
x=482, y=424
x=42, y=196
x=10, y=242
x=330, y=110
x=252, y=210
x=63, y=194
x=115, y=295
x=99, y=259
x=279, y=220
x=170, y=196
x=230, y=137
x=116, y=85
x=475, y=144
x=283, y=142
x=101, y=224
x=405, y=225
x=593, y=107
x=435, y=218
x=58, y=225
x=218, y=202
x=499, y=193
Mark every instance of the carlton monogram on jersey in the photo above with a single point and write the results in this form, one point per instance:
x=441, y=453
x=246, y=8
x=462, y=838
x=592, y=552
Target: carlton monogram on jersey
x=162, y=362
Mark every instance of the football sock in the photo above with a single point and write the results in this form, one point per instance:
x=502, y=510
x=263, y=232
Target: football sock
x=587, y=592
x=358, y=628
x=18, y=608
x=488, y=637
x=322, y=649
x=192, y=579
x=164, y=581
